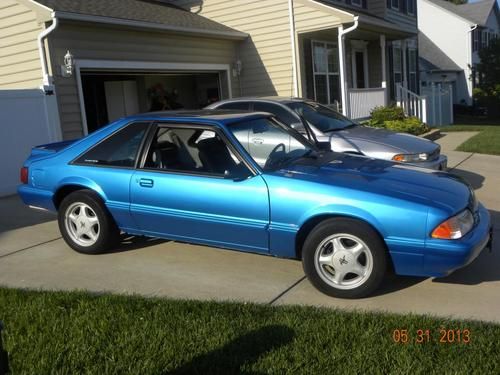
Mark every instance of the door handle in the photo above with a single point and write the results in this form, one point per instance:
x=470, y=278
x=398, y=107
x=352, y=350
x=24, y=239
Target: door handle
x=257, y=141
x=146, y=182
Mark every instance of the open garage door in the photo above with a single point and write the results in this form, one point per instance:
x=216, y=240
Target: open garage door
x=110, y=95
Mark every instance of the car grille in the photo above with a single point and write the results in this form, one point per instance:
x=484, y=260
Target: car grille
x=434, y=154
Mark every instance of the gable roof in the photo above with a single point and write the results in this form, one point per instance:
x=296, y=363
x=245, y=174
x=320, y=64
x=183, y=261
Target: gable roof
x=146, y=13
x=432, y=58
x=477, y=12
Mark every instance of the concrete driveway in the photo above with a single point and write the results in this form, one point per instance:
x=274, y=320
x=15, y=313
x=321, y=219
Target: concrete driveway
x=33, y=255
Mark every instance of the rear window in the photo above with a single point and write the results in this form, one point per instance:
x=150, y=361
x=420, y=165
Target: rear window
x=242, y=106
x=119, y=150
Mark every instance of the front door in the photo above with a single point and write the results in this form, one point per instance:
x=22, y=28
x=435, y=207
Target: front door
x=194, y=187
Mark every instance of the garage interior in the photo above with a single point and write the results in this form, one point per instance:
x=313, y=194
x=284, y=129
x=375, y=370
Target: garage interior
x=109, y=96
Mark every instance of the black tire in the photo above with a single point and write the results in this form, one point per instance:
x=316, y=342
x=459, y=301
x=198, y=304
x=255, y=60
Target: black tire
x=377, y=263
x=108, y=232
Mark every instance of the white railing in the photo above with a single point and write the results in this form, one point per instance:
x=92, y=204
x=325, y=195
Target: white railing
x=362, y=101
x=413, y=104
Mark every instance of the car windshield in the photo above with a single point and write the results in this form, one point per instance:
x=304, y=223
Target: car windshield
x=321, y=117
x=271, y=144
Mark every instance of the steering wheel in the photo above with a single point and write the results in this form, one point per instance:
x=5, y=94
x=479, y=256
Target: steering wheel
x=270, y=162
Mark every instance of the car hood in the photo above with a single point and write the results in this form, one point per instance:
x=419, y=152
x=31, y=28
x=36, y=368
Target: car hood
x=441, y=190
x=375, y=139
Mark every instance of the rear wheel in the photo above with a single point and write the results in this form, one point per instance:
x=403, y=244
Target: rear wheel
x=344, y=258
x=85, y=223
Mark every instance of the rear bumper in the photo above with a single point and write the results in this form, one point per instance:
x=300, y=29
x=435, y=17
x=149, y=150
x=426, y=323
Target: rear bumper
x=442, y=257
x=36, y=197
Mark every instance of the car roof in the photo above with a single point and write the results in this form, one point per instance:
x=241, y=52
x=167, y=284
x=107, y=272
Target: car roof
x=276, y=99
x=202, y=116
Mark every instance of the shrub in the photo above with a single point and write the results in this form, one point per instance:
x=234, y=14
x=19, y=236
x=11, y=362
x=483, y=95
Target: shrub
x=383, y=114
x=411, y=125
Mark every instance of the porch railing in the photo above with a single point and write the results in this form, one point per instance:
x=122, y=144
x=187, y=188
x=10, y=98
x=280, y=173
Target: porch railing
x=412, y=104
x=362, y=101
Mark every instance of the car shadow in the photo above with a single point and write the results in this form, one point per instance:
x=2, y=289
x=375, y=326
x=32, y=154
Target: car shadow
x=486, y=267
x=243, y=350
x=129, y=243
x=474, y=179
x=394, y=283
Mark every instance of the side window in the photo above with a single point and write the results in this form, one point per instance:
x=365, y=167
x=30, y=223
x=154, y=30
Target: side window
x=242, y=106
x=281, y=113
x=192, y=150
x=119, y=150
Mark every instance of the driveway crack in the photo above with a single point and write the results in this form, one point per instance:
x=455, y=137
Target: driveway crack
x=287, y=290
x=29, y=247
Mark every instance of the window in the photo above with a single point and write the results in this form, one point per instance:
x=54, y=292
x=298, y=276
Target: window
x=192, y=150
x=118, y=150
x=394, y=4
x=281, y=113
x=242, y=106
x=410, y=7
x=321, y=117
x=325, y=72
x=358, y=3
x=475, y=40
x=484, y=39
x=397, y=64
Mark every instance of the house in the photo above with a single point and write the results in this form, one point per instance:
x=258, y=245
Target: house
x=350, y=53
x=449, y=48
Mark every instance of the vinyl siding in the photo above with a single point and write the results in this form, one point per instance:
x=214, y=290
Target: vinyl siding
x=406, y=22
x=20, y=66
x=266, y=54
x=95, y=42
x=377, y=7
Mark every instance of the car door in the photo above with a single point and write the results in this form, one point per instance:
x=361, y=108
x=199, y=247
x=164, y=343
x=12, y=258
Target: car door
x=220, y=201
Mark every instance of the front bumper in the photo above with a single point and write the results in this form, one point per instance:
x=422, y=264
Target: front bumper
x=439, y=164
x=442, y=257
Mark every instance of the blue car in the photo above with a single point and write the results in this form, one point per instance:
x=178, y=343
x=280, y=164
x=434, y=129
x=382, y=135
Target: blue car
x=194, y=177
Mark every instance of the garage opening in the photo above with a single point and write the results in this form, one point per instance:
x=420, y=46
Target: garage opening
x=109, y=96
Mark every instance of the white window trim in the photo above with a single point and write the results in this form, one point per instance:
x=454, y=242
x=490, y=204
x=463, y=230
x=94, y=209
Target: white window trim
x=327, y=73
x=359, y=46
x=394, y=7
x=141, y=66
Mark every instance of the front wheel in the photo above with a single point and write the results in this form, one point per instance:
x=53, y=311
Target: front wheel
x=85, y=223
x=344, y=258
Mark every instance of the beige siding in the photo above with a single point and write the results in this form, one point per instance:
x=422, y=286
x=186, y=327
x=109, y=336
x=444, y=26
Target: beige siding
x=20, y=66
x=308, y=18
x=267, y=54
x=93, y=42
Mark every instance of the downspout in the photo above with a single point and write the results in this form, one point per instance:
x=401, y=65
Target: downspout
x=343, y=87
x=41, y=50
x=469, y=57
x=294, y=48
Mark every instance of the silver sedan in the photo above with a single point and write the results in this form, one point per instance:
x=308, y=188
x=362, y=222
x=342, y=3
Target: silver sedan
x=343, y=134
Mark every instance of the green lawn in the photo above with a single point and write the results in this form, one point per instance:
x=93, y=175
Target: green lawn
x=78, y=333
x=486, y=142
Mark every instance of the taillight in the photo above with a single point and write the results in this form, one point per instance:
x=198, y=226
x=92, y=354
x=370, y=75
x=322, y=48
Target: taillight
x=24, y=175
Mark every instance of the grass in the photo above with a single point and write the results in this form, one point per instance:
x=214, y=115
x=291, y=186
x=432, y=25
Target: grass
x=486, y=142
x=61, y=332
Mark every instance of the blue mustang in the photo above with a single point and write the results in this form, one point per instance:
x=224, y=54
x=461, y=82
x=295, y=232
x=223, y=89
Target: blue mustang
x=244, y=181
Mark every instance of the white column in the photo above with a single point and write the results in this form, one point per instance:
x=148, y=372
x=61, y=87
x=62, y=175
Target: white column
x=343, y=89
x=384, y=69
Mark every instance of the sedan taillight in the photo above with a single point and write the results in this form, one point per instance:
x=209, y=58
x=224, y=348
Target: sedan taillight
x=24, y=175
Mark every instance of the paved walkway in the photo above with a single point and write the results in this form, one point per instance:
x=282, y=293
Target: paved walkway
x=33, y=255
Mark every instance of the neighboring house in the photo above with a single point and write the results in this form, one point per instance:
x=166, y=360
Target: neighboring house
x=449, y=48
x=293, y=48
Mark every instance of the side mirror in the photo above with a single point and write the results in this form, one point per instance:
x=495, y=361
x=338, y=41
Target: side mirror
x=239, y=174
x=324, y=146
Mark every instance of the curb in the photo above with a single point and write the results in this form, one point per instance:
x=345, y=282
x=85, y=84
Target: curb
x=432, y=134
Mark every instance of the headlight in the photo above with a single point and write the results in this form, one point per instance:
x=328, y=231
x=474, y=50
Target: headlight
x=455, y=227
x=410, y=158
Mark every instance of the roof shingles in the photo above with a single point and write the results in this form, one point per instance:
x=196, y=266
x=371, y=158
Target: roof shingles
x=476, y=12
x=138, y=10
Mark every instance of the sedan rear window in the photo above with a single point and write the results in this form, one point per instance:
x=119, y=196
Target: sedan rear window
x=119, y=150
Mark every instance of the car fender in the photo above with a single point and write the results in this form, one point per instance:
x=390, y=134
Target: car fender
x=83, y=182
x=344, y=211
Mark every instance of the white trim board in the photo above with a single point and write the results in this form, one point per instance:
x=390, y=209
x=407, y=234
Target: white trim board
x=112, y=65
